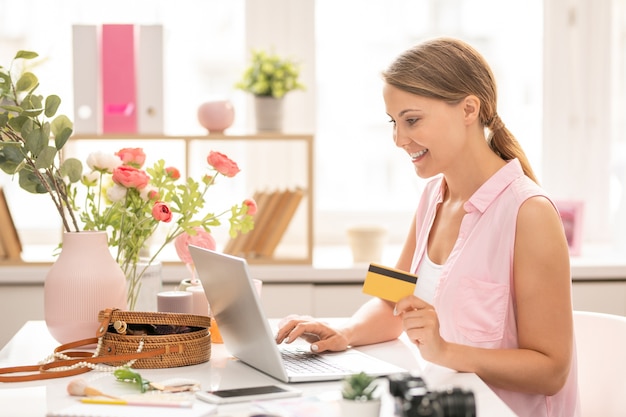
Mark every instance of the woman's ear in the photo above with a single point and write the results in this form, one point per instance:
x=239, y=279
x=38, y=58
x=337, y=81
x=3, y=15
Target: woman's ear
x=471, y=108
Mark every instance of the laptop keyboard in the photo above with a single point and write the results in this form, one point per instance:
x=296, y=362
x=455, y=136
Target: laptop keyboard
x=301, y=361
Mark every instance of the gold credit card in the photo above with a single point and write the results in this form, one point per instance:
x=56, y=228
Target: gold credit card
x=388, y=283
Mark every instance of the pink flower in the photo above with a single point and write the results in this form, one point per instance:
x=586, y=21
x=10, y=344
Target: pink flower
x=173, y=173
x=153, y=195
x=134, y=157
x=202, y=238
x=252, y=207
x=130, y=177
x=161, y=212
x=149, y=193
x=223, y=164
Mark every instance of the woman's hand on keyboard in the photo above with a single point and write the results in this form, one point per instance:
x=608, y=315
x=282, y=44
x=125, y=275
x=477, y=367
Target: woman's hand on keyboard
x=321, y=336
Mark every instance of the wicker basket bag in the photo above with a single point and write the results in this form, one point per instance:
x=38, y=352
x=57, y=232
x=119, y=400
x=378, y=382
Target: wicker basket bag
x=184, y=339
x=126, y=338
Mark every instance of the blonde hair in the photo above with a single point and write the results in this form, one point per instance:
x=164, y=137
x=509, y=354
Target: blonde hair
x=450, y=70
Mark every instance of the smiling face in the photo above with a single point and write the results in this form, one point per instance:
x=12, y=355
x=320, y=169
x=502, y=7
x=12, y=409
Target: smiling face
x=433, y=132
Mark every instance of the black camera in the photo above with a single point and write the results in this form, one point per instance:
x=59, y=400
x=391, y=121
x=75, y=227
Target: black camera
x=414, y=399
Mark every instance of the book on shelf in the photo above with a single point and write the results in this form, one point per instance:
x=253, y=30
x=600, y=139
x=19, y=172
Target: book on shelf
x=262, y=221
x=281, y=218
x=235, y=245
x=275, y=210
x=10, y=245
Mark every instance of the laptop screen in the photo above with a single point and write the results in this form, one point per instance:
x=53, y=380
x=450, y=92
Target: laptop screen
x=236, y=306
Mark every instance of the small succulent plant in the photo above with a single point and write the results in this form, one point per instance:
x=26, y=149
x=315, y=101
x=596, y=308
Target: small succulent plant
x=359, y=387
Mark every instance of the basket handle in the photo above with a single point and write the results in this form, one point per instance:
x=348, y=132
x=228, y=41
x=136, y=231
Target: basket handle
x=60, y=368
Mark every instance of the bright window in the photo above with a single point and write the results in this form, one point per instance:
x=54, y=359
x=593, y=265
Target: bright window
x=374, y=182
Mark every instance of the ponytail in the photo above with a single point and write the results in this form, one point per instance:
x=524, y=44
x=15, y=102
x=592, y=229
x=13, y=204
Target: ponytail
x=504, y=144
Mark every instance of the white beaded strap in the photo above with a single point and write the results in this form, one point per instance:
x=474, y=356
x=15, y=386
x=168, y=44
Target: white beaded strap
x=84, y=364
x=61, y=355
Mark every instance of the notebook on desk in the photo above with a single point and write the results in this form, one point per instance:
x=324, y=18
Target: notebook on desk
x=246, y=331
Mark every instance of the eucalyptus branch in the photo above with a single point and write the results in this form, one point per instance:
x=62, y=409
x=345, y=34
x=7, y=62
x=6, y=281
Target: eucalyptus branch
x=25, y=123
x=70, y=210
x=43, y=180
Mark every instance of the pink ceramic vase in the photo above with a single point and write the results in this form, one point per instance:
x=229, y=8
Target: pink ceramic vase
x=84, y=280
x=216, y=116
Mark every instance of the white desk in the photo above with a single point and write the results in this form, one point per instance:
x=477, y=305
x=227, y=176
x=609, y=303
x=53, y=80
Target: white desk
x=33, y=343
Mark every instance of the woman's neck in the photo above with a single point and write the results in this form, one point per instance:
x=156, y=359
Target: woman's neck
x=462, y=182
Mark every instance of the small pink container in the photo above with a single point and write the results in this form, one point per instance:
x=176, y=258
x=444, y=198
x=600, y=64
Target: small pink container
x=175, y=302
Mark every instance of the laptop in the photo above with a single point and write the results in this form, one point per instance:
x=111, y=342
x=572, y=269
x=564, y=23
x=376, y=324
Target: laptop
x=247, y=335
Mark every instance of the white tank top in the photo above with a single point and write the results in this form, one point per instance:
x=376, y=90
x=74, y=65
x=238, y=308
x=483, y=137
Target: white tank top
x=428, y=274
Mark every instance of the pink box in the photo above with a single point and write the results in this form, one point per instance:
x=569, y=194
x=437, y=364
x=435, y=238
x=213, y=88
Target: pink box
x=571, y=212
x=119, y=91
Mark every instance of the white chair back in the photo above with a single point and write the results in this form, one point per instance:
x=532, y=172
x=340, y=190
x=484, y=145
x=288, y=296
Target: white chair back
x=601, y=349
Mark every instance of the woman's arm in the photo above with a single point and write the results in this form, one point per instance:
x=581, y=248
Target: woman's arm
x=373, y=322
x=544, y=313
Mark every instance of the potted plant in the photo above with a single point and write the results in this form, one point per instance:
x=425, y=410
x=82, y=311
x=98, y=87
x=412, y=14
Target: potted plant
x=360, y=396
x=269, y=77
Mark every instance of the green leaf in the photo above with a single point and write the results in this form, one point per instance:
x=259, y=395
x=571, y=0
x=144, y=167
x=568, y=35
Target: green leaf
x=126, y=375
x=61, y=139
x=21, y=124
x=5, y=82
x=52, y=105
x=10, y=158
x=26, y=55
x=36, y=141
x=32, y=112
x=16, y=109
x=35, y=101
x=32, y=105
x=359, y=387
x=59, y=126
x=45, y=159
x=30, y=182
x=27, y=82
x=72, y=168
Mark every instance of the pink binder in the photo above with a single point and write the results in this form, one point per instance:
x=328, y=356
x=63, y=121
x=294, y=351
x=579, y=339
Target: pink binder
x=119, y=92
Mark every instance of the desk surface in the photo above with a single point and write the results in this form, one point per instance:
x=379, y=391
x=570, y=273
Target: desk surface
x=33, y=343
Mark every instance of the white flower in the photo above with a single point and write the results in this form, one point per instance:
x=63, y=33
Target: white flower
x=116, y=193
x=103, y=162
x=91, y=178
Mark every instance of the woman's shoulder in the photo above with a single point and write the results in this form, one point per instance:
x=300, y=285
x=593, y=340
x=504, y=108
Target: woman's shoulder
x=524, y=188
x=537, y=211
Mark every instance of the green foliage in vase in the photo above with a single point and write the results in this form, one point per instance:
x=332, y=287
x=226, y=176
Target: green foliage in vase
x=116, y=194
x=269, y=75
x=28, y=122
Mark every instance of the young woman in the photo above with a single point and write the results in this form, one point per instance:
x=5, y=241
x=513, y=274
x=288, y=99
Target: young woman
x=494, y=290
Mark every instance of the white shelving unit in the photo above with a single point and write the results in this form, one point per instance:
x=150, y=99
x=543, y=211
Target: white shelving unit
x=267, y=161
